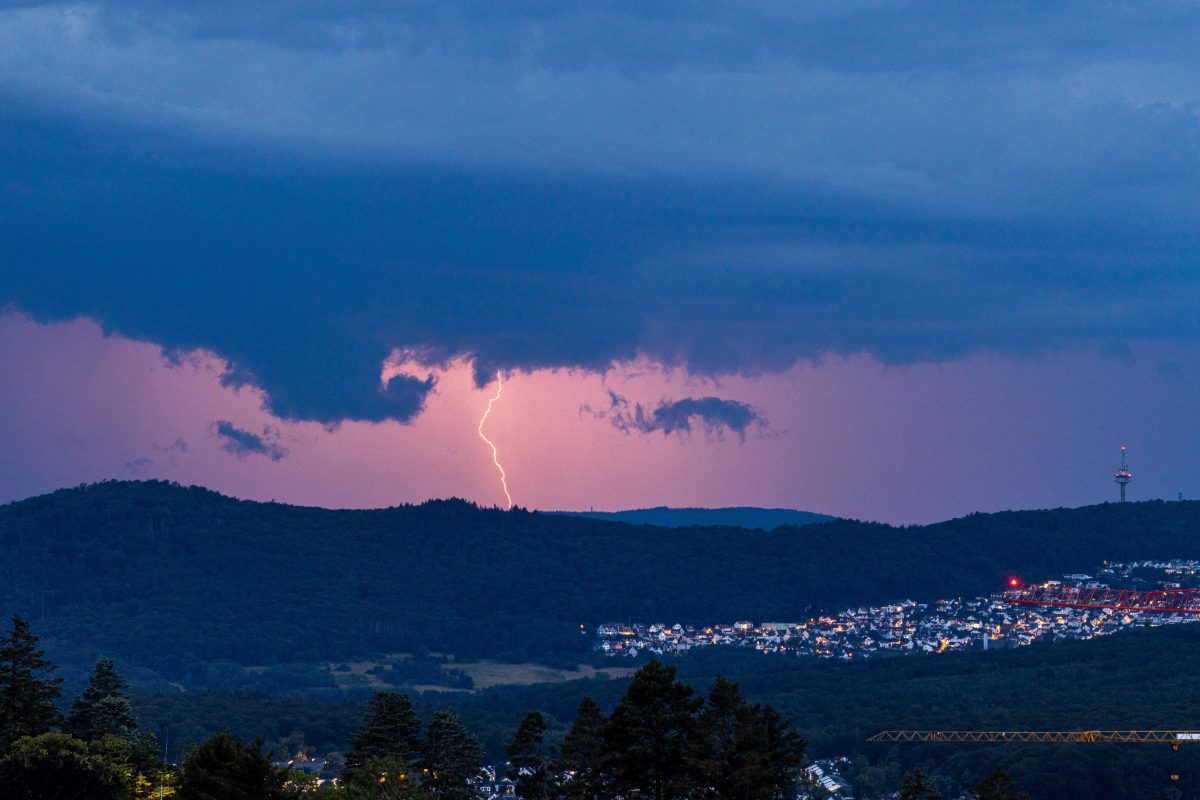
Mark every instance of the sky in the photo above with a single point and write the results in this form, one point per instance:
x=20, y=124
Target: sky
x=892, y=261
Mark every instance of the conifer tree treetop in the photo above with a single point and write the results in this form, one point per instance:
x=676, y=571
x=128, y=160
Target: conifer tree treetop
x=28, y=690
x=103, y=708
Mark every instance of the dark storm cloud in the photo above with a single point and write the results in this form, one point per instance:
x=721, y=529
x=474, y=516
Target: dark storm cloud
x=713, y=414
x=242, y=443
x=303, y=189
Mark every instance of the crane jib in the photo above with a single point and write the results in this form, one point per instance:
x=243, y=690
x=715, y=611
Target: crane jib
x=1173, y=738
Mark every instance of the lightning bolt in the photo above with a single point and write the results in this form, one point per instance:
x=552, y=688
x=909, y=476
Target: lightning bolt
x=495, y=454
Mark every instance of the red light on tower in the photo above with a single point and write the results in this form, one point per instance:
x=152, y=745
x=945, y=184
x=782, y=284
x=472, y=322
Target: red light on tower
x=1013, y=582
x=1123, y=476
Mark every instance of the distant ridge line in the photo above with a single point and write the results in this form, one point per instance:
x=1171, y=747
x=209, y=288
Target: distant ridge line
x=749, y=517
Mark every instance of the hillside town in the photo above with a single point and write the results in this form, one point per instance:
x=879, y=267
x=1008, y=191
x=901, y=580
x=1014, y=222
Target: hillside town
x=909, y=626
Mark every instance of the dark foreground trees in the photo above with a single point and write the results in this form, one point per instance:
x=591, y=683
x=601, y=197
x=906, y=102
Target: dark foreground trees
x=390, y=730
x=452, y=758
x=224, y=768
x=99, y=757
x=28, y=689
x=917, y=786
x=747, y=751
x=103, y=709
x=56, y=765
x=584, y=757
x=998, y=786
x=391, y=758
x=527, y=758
x=652, y=736
x=663, y=742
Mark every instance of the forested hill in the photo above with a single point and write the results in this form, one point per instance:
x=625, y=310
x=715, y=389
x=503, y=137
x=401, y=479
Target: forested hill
x=741, y=517
x=155, y=573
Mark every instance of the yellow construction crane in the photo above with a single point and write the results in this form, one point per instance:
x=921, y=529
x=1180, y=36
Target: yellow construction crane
x=1176, y=601
x=1173, y=738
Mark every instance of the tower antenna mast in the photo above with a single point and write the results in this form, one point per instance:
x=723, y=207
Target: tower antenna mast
x=1123, y=476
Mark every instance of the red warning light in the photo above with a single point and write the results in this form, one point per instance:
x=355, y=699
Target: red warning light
x=1013, y=582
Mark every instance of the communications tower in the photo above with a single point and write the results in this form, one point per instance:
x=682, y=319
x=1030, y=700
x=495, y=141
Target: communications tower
x=1123, y=476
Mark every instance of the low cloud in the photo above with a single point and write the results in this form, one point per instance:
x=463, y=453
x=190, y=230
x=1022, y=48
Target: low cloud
x=713, y=414
x=138, y=464
x=242, y=443
x=180, y=445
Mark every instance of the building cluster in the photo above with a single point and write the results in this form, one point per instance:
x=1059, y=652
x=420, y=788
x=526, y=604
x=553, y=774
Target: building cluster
x=908, y=626
x=493, y=783
x=1173, y=574
x=823, y=779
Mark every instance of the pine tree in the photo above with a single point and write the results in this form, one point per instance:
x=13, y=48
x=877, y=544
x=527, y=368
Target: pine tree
x=27, y=692
x=452, y=758
x=714, y=752
x=527, y=759
x=998, y=786
x=582, y=763
x=917, y=786
x=103, y=709
x=391, y=730
x=777, y=750
x=649, y=732
x=742, y=751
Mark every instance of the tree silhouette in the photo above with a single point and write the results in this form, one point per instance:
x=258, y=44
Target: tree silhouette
x=649, y=732
x=998, y=786
x=583, y=756
x=743, y=751
x=527, y=757
x=103, y=709
x=452, y=757
x=225, y=768
x=27, y=692
x=390, y=730
x=55, y=765
x=917, y=786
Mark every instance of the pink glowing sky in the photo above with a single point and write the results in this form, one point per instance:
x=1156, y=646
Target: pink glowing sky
x=949, y=281
x=846, y=436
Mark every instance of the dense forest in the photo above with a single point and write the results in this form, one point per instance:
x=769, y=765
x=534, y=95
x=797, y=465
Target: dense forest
x=189, y=588
x=1137, y=679
x=767, y=519
x=663, y=740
